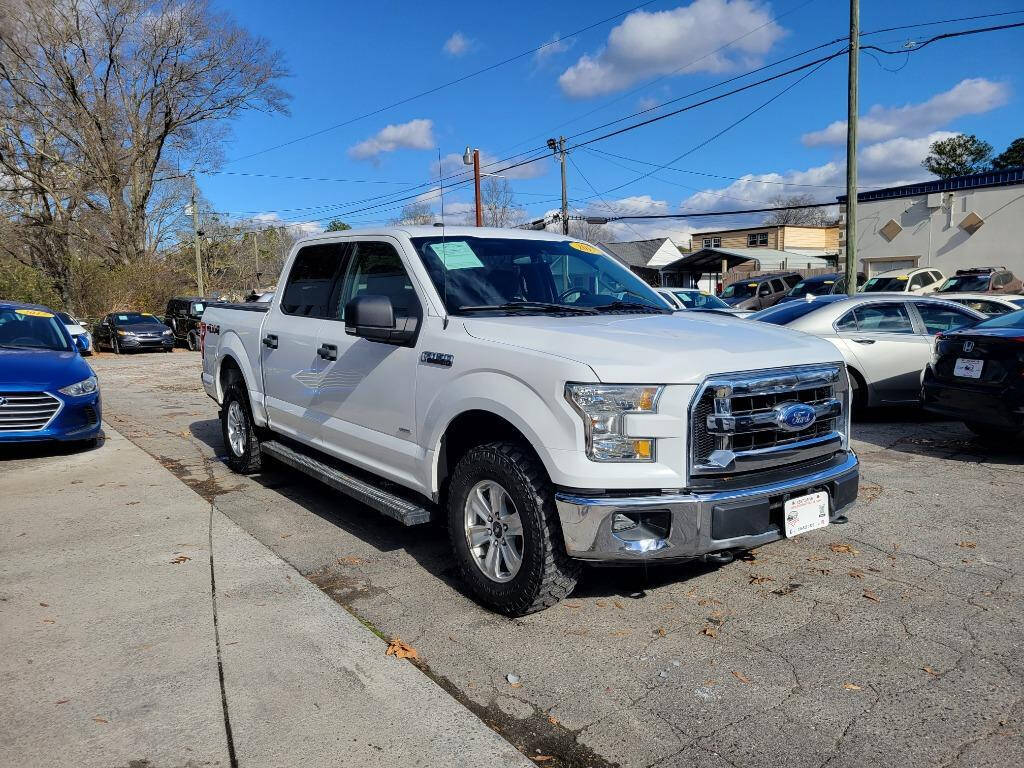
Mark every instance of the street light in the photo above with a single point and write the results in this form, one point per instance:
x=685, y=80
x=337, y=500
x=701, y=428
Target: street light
x=472, y=157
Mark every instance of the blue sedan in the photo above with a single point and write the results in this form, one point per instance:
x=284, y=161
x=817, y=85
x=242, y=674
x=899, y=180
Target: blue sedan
x=47, y=391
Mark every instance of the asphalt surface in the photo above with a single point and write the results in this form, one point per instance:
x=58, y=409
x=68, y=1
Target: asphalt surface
x=894, y=638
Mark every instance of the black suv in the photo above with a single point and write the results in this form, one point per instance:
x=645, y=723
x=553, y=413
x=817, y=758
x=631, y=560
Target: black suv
x=183, y=315
x=981, y=280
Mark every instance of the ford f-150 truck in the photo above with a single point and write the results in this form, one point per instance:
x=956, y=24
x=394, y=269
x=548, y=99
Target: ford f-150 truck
x=536, y=395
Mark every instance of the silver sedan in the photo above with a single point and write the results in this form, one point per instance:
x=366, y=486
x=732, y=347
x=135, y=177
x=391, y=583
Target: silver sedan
x=885, y=339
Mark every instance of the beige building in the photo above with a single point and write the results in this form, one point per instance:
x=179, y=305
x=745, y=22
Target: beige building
x=808, y=241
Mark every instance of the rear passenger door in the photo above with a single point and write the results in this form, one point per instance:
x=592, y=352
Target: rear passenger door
x=367, y=393
x=889, y=350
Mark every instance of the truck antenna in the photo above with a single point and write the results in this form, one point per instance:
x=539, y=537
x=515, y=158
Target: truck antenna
x=444, y=253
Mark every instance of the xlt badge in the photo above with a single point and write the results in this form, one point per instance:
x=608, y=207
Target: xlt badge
x=437, y=358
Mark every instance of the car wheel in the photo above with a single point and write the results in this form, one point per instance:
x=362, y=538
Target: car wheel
x=505, y=532
x=192, y=341
x=992, y=434
x=240, y=437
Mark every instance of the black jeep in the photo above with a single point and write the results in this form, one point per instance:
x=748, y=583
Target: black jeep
x=183, y=315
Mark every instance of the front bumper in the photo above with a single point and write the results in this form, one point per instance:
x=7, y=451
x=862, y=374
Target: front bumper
x=133, y=344
x=699, y=522
x=78, y=418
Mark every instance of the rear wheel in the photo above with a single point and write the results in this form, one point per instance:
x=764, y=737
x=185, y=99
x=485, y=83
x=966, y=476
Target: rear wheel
x=505, y=531
x=193, y=341
x=240, y=437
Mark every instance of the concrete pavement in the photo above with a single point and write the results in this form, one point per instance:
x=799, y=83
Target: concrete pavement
x=110, y=628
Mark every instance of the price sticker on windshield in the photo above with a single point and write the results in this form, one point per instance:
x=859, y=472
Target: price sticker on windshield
x=586, y=248
x=33, y=313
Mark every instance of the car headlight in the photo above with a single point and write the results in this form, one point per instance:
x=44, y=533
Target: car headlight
x=168, y=332
x=83, y=387
x=603, y=408
x=125, y=333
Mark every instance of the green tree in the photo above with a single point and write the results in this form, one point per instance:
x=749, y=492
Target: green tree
x=337, y=226
x=958, y=156
x=1011, y=157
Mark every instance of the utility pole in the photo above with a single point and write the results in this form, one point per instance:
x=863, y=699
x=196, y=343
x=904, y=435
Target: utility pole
x=558, y=148
x=195, y=236
x=851, y=151
x=472, y=157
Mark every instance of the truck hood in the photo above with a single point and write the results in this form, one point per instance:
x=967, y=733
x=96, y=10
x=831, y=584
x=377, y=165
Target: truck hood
x=660, y=349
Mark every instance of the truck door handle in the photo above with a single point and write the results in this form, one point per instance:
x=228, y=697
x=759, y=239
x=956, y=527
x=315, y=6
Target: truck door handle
x=865, y=341
x=270, y=341
x=328, y=352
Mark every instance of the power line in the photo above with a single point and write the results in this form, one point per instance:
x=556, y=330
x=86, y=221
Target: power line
x=705, y=214
x=945, y=36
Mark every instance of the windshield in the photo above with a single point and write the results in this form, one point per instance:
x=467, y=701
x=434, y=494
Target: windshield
x=134, y=318
x=876, y=284
x=739, y=290
x=819, y=287
x=1012, y=320
x=699, y=300
x=31, y=329
x=507, y=274
x=964, y=284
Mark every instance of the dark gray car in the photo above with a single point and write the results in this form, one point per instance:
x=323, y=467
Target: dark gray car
x=759, y=292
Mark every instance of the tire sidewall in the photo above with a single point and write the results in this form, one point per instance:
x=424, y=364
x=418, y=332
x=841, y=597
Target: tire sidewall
x=250, y=459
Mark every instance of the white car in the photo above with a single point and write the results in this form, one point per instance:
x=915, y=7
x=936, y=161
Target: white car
x=76, y=329
x=920, y=280
x=701, y=301
x=986, y=303
x=536, y=395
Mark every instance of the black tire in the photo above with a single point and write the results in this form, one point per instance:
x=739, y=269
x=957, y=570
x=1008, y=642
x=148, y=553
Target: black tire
x=858, y=394
x=992, y=434
x=192, y=340
x=547, y=574
x=249, y=459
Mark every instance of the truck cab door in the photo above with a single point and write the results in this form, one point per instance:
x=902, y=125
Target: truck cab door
x=289, y=353
x=367, y=390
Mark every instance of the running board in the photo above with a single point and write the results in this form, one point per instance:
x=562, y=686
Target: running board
x=404, y=511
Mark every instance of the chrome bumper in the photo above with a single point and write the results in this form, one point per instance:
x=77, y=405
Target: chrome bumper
x=693, y=517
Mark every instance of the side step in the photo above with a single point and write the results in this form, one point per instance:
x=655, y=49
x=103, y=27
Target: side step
x=404, y=511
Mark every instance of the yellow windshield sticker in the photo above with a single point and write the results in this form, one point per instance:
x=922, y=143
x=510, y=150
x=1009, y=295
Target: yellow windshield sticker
x=902, y=277
x=751, y=285
x=829, y=282
x=146, y=314
x=33, y=313
x=585, y=247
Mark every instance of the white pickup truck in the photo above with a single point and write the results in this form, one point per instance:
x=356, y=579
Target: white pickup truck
x=538, y=396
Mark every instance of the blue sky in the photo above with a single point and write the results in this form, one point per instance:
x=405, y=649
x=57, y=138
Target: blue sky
x=349, y=59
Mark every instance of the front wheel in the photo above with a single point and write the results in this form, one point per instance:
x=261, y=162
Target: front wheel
x=505, y=531
x=239, y=433
x=192, y=341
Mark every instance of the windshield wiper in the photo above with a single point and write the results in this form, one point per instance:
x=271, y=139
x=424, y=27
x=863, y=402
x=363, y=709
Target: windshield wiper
x=529, y=306
x=620, y=304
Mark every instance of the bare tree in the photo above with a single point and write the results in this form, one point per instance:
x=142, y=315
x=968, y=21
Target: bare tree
x=415, y=214
x=498, y=203
x=589, y=231
x=800, y=217
x=101, y=99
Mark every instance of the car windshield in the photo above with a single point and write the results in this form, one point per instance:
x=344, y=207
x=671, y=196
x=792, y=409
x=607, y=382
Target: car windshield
x=1012, y=320
x=739, y=290
x=134, y=318
x=509, y=275
x=699, y=300
x=964, y=284
x=878, y=284
x=818, y=287
x=31, y=329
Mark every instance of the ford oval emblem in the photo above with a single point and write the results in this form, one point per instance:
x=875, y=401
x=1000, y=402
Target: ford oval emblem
x=794, y=417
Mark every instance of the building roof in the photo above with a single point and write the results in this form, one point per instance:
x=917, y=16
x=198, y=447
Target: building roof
x=710, y=259
x=637, y=253
x=1002, y=178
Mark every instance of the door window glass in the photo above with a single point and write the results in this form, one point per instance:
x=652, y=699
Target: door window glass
x=764, y=290
x=778, y=286
x=847, y=322
x=308, y=291
x=920, y=280
x=883, y=318
x=375, y=269
x=938, y=318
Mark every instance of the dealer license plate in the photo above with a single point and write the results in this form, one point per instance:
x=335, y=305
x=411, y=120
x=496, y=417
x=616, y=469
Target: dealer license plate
x=806, y=513
x=968, y=369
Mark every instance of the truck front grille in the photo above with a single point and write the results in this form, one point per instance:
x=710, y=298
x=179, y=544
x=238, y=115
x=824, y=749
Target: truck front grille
x=739, y=421
x=26, y=411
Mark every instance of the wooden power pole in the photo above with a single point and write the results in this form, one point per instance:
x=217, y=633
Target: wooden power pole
x=851, y=151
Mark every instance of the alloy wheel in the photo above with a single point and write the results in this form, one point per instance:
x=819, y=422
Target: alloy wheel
x=494, y=531
x=236, y=428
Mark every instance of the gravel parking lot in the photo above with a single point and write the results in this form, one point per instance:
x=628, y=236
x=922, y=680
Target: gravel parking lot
x=896, y=637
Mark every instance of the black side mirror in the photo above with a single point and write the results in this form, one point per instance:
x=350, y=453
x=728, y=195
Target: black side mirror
x=373, y=318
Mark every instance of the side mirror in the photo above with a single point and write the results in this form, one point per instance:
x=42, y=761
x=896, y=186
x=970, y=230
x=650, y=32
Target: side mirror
x=373, y=318
x=82, y=343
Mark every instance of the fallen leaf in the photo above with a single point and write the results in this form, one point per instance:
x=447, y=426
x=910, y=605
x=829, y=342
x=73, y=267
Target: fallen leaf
x=619, y=605
x=760, y=579
x=824, y=571
x=710, y=631
x=62, y=701
x=349, y=560
x=542, y=758
x=741, y=677
x=816, y=558
x=515, y=685
x=49, y=621
x=844, y=549
x=45, y=605
x=601, y=604
x=930, y=671
x=552, y=720
x=100, y=720
x=716, y=615
x=870, y=595
x=571, y=605
x=856, y=574
x=620, y=633
x=852, y=687
x=401, y=650
x=968, y=545
x=661, y=632
x=708, y=601
x=285, y=535
x=180, y=559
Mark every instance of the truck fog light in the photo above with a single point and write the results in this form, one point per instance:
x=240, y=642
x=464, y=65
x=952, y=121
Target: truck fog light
x=641, y=526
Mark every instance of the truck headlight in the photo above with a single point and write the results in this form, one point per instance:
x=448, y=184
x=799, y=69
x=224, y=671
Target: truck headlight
x=603, y=408
x=83, y=387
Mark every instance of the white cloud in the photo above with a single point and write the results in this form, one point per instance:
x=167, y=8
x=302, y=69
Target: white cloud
x=299, y=228
x=416, y=134
x=973, y=96
x=457, y=44
x=686, y=40
x=553, y=48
